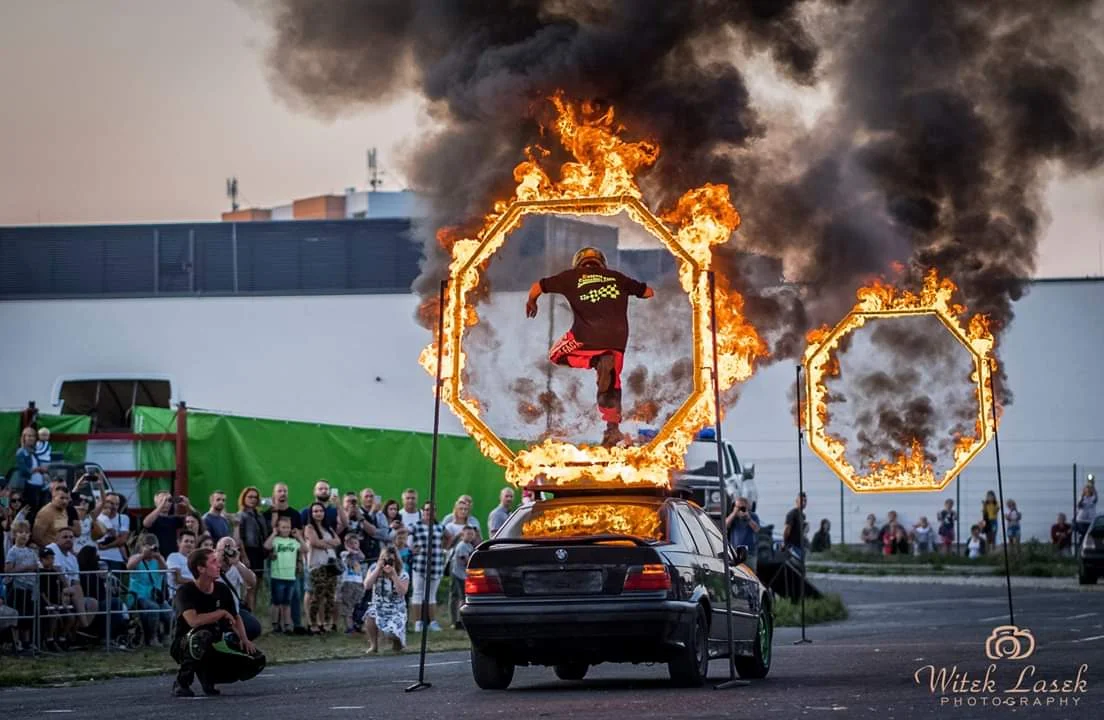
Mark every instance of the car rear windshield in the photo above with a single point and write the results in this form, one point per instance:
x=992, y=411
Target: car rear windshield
x=582, y=518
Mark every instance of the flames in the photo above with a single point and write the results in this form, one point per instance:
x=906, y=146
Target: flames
x=601, y=180
x=593, y=519
x=910, y=470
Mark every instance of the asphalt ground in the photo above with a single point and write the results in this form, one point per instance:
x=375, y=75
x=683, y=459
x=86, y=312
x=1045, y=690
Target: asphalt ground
x=869, y=666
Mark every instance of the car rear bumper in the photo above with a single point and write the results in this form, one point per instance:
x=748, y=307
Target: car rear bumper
x=1092, y=561
x=552, y=632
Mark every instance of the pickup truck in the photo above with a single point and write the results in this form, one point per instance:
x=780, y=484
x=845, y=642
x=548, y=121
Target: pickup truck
x=700, y=475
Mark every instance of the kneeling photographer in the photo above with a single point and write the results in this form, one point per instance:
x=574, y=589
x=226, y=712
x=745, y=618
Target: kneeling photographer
x=240, y=579
x=210, y=641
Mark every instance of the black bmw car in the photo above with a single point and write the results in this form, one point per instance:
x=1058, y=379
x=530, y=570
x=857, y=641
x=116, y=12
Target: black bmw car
x=628, y=577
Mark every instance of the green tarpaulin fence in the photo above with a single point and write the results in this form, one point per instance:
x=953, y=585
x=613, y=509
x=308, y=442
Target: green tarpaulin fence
x=9, y=436
x=230, y=453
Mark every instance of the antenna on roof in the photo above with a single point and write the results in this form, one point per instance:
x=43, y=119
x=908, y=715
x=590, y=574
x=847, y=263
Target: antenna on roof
x=374, y=180
x=232, y=192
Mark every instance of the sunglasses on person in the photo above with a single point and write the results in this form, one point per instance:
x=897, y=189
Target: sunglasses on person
x=741, y=508
x=15, y=499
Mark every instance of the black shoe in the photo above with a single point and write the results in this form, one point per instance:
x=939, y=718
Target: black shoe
x=179, y=690
x=210, y=690
x=301, y=631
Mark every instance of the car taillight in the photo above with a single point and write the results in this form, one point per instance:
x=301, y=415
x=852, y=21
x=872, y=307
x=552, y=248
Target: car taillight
x=647, y=577
x=479, y=582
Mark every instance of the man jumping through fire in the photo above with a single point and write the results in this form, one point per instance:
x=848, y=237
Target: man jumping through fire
x=599, y=299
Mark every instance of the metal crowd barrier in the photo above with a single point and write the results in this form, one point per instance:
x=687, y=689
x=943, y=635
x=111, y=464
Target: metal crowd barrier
x=113, y=586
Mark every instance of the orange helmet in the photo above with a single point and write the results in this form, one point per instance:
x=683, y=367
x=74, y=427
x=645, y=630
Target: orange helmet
x=588, y=255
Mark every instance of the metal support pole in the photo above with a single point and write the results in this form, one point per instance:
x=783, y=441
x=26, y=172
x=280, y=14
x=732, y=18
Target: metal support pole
x=1004, y=529
x=958, y=510
x=843, y=538
x=432, y=489
x=1073, y=518
x=107, y=614
x=732, y=681
x=180, y=477
x=36, y=594
x=800, y=510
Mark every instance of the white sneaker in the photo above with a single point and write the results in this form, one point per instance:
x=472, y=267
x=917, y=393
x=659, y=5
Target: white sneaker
x=418, y=626
x=434, y=627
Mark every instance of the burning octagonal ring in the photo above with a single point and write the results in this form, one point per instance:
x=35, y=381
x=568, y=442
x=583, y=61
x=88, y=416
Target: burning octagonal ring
x=563, y=463
x=911, y=472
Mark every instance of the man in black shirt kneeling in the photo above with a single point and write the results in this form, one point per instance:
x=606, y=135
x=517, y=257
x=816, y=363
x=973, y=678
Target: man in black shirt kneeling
x=205, y=611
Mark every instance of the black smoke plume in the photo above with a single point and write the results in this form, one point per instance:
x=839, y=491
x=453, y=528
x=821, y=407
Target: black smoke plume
x=947, y=119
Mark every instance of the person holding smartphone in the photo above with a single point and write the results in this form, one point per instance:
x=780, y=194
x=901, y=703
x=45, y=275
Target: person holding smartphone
x=743, y=529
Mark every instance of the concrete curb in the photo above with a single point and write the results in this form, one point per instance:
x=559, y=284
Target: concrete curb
x=1069, y=584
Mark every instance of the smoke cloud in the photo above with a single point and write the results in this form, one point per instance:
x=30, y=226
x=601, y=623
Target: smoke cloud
x=948, y=117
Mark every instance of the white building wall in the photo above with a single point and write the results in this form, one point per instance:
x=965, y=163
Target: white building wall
x=353, y=360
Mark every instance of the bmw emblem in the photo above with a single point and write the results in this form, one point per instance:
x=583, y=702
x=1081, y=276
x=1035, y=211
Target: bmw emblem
x=561, y=555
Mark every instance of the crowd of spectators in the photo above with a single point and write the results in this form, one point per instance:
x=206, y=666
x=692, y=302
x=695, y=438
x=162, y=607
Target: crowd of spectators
x=893, y=536
x=350, y=563
x=79, y=570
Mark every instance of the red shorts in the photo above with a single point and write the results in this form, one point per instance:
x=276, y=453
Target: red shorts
x=569, y=351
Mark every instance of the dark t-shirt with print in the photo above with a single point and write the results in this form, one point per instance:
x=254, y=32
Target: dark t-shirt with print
x=165, y=528
x=190, y=597
x=599, y=299
x=292, y=514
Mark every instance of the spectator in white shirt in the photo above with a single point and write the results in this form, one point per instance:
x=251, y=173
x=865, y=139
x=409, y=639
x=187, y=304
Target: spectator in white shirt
x=410, y=514
x=460, y=518
x=177, y=562
x=116, y=526
x=66, y=563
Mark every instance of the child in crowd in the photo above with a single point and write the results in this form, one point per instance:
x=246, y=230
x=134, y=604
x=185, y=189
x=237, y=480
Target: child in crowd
x=43, y=451
x=459, y=572
x=284, y=551
x=177, y=562
x=947, y=518
x=22, y=559
x=1012, y=520
x=872, y=534
x=350, y=588
x=60, y=620
x=975, y=547
x=924, y=535
x=401, y=542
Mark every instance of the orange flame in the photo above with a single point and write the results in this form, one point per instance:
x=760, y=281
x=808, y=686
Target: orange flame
x=602, y=180
x=911, y=470
x=594, y=519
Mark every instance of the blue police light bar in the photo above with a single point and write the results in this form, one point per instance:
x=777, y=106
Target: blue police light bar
x=709, y=434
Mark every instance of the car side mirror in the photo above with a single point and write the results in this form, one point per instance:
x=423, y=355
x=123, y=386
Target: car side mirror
x=741, y=554
x=749, y=471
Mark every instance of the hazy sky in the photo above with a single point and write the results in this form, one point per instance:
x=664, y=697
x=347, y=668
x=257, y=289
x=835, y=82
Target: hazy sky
x=138, y=110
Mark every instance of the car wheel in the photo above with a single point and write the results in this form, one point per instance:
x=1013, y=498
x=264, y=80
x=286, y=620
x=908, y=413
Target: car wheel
x=489, y=672
x=571, y=671
x=758, y=664
x=691, y=666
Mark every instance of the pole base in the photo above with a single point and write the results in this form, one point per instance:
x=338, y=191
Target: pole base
x=802, y=640
x=729, y=684
x=421, y=685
